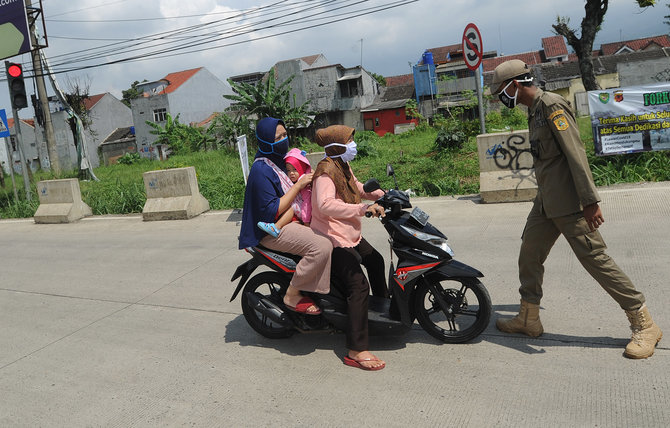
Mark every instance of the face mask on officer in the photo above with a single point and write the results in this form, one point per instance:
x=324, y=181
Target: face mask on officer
x=510, y=102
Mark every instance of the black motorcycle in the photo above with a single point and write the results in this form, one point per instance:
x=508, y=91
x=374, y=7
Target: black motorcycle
x=444, y=295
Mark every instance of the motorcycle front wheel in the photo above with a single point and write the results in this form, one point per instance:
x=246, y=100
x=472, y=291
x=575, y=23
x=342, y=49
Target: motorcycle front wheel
x=453, y=311
x=269, y=286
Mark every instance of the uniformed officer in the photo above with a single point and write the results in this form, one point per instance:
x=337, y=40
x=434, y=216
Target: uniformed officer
x=566, y=203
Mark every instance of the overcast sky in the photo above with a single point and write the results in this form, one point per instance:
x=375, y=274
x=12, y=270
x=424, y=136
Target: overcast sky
x=388, y=40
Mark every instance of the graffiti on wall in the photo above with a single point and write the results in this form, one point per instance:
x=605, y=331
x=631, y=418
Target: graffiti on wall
x=513, y=154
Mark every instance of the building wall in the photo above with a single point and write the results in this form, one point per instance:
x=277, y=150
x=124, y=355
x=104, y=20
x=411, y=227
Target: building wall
x=387, y=120
x=106, y=115
x=29, y=138
x=605, y=81
x=644, y=72
x=284, y=70
x=197, y=98
x=142, y=111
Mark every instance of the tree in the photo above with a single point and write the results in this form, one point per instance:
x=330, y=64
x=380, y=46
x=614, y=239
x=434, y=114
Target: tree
x=178, y=137
x=76, y=95
x=379, y=78
x=583, y=46
x=667, y=17
x=267, y=99
x=131, y=93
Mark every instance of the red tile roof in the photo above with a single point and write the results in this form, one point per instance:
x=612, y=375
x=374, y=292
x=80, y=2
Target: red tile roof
x=310, y=59
x=405, y=79
x=573, y=56
x=29, y=122
x=92, y=100
x=530, y=58
x=440, y=54
x=636, y=45
x=177, y=79
x=554, y=46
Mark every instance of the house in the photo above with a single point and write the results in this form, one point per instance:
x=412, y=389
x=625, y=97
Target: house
x=117, y=144
x=336, y=94
x=612, y=71
x=30, y=145
x=387, y=114
x=192, y=94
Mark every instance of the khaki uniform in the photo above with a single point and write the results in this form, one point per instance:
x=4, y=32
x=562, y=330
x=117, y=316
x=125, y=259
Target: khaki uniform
x=565, y=186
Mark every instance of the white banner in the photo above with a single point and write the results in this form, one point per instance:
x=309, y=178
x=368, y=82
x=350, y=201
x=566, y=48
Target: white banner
x=244, y=157
x=630, y=120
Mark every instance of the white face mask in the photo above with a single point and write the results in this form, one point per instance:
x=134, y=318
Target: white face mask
x=349, y=153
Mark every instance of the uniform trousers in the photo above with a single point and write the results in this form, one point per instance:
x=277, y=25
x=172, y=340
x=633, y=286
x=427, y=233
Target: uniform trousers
x=347, y=269
x=539, y=237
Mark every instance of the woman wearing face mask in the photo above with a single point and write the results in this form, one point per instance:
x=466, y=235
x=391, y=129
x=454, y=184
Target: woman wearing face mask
x=336, y=213
x=270, y=193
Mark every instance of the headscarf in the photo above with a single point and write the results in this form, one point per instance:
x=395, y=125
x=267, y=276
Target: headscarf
x=296, y=157
x=338, y=170
x=265, y=134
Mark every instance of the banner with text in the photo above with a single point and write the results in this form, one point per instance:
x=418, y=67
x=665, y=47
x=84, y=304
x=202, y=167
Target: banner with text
x=630, y=120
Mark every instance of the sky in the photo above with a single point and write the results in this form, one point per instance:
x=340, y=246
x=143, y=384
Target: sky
x=386, y=41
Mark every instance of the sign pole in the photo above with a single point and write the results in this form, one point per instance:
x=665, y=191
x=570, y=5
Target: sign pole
x=480, y=100
x=473, y=54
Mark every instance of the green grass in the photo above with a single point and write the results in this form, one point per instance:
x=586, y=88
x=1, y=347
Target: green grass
x=418, y=166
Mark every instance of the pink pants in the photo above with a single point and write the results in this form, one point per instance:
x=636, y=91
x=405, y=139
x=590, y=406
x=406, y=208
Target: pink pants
x=313, y=271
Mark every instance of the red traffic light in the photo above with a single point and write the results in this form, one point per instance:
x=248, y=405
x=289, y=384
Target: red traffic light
x=14, y=70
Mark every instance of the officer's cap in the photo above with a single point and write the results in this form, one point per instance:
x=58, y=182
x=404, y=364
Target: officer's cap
x=508, y=70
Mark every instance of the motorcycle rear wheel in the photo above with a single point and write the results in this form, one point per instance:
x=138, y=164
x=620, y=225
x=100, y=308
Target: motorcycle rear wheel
x=266, y=285
x=460, y=312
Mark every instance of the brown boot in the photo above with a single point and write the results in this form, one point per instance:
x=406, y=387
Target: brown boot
x=646, y=334
x=526, y=322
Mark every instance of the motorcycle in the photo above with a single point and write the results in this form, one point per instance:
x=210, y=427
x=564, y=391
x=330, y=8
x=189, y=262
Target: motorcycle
x=428, y=285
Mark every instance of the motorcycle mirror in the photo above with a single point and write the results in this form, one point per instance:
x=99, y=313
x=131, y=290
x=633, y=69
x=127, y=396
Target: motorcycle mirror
x=391, y=173
x=371, y=185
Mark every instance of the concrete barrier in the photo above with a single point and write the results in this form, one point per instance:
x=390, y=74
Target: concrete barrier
x=506, y=171
x=60, y=202
x=172, y=194
x=315, y=158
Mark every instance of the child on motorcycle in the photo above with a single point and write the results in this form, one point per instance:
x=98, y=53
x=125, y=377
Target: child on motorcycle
x=297, y=165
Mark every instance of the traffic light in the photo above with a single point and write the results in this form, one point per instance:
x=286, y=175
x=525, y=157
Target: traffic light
x=17, y=89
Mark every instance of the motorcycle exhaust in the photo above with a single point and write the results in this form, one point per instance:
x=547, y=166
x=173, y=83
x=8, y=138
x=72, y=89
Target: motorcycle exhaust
x=269, y=309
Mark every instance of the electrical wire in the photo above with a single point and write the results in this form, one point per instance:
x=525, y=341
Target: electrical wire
x=266, y=18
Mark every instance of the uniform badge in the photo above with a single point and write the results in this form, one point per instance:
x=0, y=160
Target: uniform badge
x=604, y=97
x=559, y=119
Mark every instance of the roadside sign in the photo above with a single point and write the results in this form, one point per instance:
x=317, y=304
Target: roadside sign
x=4, y=126
x=472, y=46
x=244, y=157
x=14, y=29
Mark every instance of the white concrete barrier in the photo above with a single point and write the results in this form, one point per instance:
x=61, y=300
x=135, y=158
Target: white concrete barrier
x=506, y=171
x=173, y=194
x=60, y=202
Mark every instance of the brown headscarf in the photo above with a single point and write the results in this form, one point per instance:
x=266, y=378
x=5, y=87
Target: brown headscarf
x=335, y=168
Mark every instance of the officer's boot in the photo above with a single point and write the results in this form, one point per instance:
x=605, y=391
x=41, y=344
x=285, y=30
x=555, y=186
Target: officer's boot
x=526, y=322
x=646, y=334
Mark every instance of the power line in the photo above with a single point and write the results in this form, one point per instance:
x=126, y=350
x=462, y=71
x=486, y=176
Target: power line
x=163, y=44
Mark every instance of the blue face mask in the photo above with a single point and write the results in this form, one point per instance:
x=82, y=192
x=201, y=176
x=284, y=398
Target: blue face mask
x=278, y=147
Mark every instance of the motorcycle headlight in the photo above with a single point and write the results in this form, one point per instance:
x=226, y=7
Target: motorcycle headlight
x=437, y=241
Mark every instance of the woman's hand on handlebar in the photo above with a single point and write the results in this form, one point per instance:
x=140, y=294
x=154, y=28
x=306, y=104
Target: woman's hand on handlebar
x=374, y=210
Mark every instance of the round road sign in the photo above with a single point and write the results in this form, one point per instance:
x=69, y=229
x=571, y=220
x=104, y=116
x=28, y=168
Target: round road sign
x=472, y=46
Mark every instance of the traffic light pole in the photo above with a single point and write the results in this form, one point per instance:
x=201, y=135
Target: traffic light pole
x=19, y=146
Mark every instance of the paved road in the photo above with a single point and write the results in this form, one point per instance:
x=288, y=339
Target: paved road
x=112, y=321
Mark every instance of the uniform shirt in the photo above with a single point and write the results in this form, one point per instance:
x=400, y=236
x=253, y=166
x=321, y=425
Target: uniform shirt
x=564, y=181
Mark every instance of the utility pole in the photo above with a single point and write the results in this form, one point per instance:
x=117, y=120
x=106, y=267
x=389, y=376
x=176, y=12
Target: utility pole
x=49, y=135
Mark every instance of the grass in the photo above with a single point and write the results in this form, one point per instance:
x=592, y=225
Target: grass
x=418, y=165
